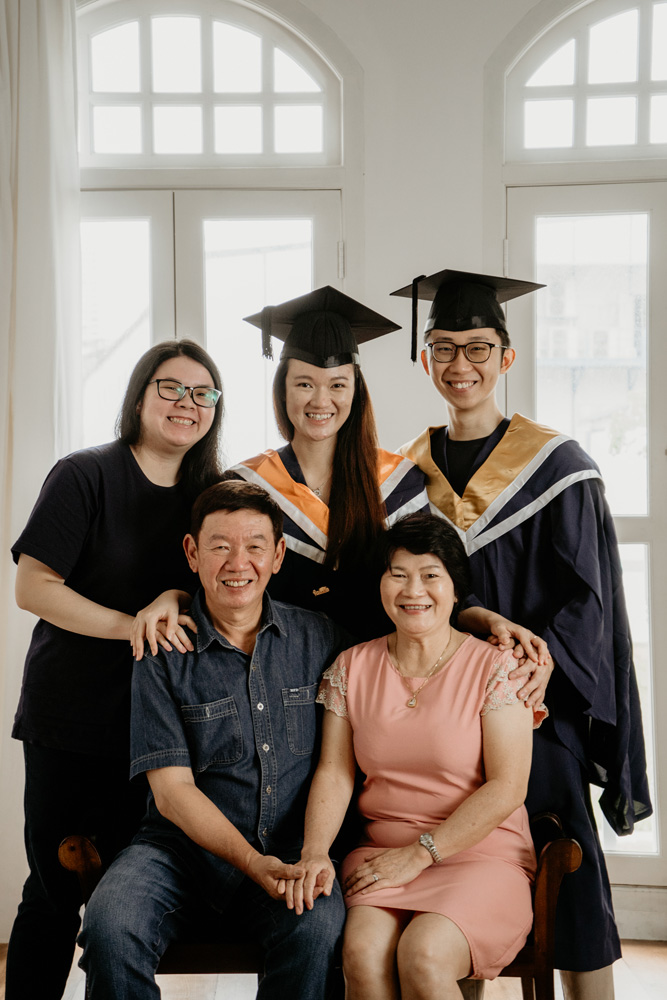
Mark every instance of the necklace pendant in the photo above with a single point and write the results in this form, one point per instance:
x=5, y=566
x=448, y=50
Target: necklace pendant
x=412, y=702
x=317, y=491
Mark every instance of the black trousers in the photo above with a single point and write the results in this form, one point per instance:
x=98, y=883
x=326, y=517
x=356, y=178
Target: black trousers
x=65, y=793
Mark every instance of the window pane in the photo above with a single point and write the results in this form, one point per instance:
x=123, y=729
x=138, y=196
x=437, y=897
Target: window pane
x=612, y=53
x=659, y=42
x=635, y=581
x=548, y=124
x=177, y=130
x=611, y=121
x=117, y=130
x=237, y=60
x=659, y=118
x=289, y=76
x=298, y=129
x=116, y=329
x=591, y=344
x=558, y=69
x=176, y=55
x=114, y=59
x=238, y=130
x=250, y=263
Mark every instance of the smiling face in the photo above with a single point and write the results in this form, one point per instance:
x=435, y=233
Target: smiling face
x=466, y=385
x=417, y=593
x=318, y=400
x=169, y=426
x=235, y=556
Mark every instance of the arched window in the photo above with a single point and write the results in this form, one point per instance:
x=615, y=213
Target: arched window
x=202, y=84
x=211, y=145
x=594, y=86
x=581, y=152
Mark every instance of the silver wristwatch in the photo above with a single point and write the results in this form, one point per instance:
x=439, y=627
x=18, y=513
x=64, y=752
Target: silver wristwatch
x=426, y=840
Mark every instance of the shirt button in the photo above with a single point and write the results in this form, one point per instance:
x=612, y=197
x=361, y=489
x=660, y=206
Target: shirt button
x=268, y=789
x=260, y=706
x=265, y=832
x=265, y=746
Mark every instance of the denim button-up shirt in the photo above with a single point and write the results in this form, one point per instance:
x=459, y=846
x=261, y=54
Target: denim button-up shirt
x=247, y=727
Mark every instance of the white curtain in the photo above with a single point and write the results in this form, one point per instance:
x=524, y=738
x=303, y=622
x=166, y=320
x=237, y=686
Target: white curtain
x=39, y=330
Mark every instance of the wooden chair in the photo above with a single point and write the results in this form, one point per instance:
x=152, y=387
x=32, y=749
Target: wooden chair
x=557, y=856
x=534, y=965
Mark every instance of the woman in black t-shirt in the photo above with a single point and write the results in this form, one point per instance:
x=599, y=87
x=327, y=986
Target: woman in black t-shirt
x=104, y=536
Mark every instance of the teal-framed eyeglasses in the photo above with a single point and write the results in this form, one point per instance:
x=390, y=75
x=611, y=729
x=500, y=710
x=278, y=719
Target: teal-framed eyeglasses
x=170, y=388
x=478, y=351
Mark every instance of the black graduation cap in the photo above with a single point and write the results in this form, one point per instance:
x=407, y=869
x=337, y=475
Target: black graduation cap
x=322, y=328
x=463, y=300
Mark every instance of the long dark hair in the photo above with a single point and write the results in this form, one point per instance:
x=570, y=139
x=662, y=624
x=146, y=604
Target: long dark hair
x=356, y=508
x=201, y=464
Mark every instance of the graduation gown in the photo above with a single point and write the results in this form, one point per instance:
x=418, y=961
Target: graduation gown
x=543, y=552
x=351, y=597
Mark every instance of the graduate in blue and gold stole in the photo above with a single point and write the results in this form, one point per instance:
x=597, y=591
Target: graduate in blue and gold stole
x=529, y=505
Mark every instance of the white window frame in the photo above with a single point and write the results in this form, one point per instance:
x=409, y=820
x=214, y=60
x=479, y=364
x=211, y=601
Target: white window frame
x=347, y=176
x=157, y=208
x=639, y=903
x=650, y=530
x=576, y=26
x=98, y=18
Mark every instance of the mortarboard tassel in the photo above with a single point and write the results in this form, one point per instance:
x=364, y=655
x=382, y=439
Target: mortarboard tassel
x=267, y=315
x=415, y=304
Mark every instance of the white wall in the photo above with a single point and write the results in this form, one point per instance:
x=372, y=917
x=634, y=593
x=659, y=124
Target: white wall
x=423, y=65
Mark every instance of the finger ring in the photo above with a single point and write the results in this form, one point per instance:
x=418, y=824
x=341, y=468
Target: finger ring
x=375, y=876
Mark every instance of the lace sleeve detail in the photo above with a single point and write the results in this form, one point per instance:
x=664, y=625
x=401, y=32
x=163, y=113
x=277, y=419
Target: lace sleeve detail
x=333, y=688
x=500, y=691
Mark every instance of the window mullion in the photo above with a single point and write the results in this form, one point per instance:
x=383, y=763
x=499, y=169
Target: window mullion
x=581, y=84
x=268, y=97
x=146, y=97
x=208, y=97
x=644, y=57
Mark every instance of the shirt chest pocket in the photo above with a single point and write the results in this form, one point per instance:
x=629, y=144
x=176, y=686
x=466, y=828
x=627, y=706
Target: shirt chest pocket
x=214, y=733
x=300, y=718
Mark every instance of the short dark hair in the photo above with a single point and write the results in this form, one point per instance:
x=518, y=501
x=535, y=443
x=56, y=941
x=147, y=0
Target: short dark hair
x=423, y=533
x=201, y=464
x=235, y=494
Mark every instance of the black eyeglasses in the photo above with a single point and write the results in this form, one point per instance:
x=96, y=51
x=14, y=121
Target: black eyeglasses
x=202, y=395
x=477, y=352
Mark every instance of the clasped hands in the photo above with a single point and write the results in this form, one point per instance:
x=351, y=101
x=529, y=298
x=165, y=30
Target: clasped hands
x=380, y=869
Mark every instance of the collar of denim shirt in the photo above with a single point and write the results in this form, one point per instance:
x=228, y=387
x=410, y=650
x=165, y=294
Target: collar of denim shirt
x=207, y=633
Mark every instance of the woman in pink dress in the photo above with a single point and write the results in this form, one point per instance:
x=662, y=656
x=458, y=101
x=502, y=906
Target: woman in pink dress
x=440, y=887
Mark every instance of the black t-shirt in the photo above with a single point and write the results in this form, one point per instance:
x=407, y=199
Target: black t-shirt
x=116, y=538
x=459, y=460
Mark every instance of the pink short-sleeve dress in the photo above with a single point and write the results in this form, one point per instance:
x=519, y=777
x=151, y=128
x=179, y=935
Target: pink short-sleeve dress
x=420, y=764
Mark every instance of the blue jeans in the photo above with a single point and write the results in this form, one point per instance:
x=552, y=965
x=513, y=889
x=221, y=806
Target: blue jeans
x=147, y=899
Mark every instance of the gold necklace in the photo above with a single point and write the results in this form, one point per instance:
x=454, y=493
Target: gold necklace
x=318, y=490
x=412, y=700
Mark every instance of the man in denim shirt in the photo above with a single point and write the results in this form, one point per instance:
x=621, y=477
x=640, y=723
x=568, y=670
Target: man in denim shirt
x=227, y=736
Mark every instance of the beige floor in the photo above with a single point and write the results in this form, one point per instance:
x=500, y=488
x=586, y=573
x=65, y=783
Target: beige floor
x=640, y=975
